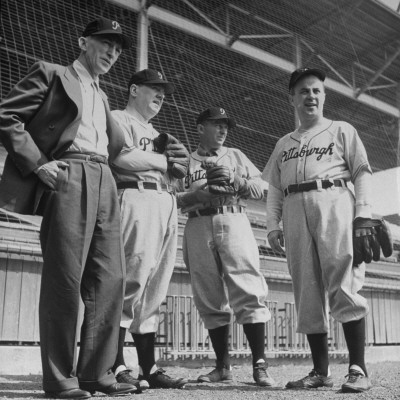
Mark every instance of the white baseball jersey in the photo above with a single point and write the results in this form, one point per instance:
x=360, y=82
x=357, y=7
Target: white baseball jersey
x=138, y=161
x=236, y=161
x=149, y=225
x=318, y=223
x=333, y=153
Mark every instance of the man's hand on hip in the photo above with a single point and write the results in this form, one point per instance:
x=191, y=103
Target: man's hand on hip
x=48, y=172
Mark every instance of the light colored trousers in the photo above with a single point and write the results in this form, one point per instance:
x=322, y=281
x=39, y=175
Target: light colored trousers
x=222, y=256
x=149, y=232
x=319, y=249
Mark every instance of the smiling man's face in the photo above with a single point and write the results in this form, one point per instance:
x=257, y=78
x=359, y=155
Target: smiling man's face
x=308, y=97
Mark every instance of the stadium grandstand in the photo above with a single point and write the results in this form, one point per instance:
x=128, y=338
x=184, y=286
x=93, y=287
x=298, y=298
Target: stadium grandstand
x=238, y=55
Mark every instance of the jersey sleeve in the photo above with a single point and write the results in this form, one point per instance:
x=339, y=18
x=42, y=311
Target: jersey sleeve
x=354, y=151
x=272, y=171
x=274, y=208
x=247, y=170
x=131, y=157
x=362, y=189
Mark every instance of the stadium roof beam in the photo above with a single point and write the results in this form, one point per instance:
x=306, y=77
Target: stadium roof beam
x=378, y=73
x=221, y=39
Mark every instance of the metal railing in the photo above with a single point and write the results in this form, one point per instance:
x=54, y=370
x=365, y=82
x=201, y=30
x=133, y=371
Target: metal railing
x=182, y=333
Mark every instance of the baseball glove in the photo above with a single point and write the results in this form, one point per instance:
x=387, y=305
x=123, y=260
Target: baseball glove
x=369, y=237
x=177, y=155
x=222, y=180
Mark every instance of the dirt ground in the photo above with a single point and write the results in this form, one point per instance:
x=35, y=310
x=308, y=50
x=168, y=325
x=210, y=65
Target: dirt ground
x=385, y=378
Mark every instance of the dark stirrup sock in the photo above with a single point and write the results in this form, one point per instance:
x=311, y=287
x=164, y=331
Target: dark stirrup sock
x=319, y=352
x=120, y=354
x=255, y=334
x=219, y=339
x=145, y=350
x=354, y=333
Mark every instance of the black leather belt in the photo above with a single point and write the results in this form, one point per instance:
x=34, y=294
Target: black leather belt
x=216, y=210
x=84, y=157
x=314, y=185
x=145, y=185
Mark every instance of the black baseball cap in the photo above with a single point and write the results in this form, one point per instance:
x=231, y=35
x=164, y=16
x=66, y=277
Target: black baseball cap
x=104, y=26
x=215, y=113
x=149, y=76
x=301, y=72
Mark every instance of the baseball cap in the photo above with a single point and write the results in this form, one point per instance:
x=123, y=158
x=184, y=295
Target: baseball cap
x=215, y=113
x=148, y=76
x=301, y=72
x=104, y=26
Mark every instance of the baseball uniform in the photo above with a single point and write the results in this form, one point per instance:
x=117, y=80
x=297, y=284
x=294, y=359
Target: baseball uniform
x=317, y=223
x=148, y=221
x=219, y=247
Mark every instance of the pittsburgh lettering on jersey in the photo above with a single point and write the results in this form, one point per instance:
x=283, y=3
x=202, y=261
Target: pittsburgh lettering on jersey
x=306, y=152
x=144, y=142
x=196, y=176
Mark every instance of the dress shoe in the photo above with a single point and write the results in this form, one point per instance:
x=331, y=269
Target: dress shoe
x=74, y=394
x=117, y=389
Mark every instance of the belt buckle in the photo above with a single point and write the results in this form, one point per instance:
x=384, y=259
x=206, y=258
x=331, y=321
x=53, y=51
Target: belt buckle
x=96, y=158
x=332, y=187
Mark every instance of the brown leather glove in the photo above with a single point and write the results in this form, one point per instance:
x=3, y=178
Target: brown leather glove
x=369, y=236
x=177, y=155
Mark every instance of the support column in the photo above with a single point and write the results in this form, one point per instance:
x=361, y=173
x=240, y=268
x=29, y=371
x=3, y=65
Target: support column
x=142, y=49
x=298, y=64
x=398, y=127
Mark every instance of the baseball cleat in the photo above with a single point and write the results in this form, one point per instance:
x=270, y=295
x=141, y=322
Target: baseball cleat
x=159, y=380
x=261, y=375
x=126, y=377
x=219, y=374
x=312, y=381
x=356, y=382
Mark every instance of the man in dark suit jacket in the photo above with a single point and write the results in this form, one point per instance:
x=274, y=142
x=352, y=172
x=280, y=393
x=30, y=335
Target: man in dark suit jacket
x=59, y=134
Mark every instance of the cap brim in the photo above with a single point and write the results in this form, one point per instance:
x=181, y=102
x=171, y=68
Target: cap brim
x=315, y=72
x=231, y=121
x=126, y=42
x=169, y=87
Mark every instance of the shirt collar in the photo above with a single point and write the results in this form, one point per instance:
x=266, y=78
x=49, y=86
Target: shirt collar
x=83, y=74
x=201, y=151
x=147, y=125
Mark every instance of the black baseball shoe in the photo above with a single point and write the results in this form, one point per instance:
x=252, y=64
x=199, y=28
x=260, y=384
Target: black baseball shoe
x=312, y=381
x=221, y=373
x=159, y=380
x=126, y=377
x=261, y=375
x=357, y=382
